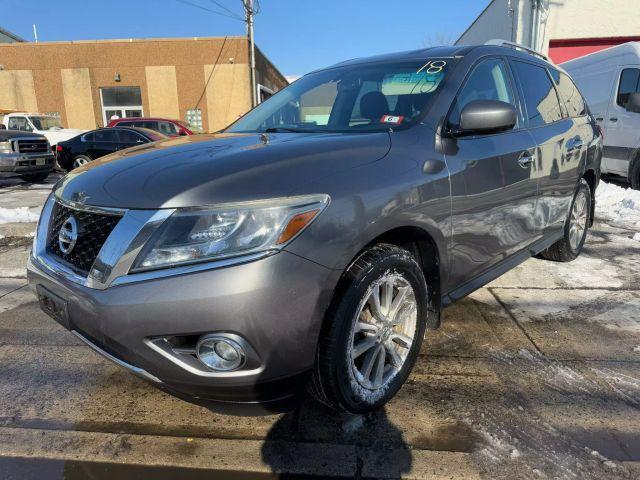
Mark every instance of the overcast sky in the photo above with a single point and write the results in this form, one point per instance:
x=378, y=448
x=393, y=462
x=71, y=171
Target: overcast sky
x=297, y=35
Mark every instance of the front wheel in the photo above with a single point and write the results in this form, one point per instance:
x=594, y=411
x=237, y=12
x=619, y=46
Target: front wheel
x=373, y=331
x=575, y=229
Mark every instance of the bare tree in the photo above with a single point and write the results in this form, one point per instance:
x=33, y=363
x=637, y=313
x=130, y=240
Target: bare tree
x=437, y=39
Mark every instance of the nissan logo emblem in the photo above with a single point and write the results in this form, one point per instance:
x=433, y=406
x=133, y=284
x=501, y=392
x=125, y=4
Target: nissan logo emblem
x=68, y=235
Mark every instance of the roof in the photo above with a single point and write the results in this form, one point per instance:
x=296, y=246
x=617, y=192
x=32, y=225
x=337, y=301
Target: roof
x=11, y=35
x=130, y=40
x=422, y=53
x=443, y=52
x=630, y=48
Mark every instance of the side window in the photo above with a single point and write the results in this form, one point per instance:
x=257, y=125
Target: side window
x=89, y=137
x=127, y=136
x=540, y=96
x=167, y=128
x=148, y=124
x=19, y=123
x=488, y=81
x=629, y=83
x=125, y=124
x=106, y=135
x=570, y=94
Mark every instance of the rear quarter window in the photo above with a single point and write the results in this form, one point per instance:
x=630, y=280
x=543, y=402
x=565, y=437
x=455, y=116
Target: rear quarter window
x=569, y=94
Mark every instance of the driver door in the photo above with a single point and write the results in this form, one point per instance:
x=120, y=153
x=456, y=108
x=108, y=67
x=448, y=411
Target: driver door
x=494, y=184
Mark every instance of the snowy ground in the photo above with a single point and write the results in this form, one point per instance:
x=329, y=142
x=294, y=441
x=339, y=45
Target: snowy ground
x=535, y=376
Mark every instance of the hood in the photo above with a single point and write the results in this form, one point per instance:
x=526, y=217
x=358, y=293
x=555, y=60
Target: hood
x=55, y=136
x=4, y=134
x=211, y=169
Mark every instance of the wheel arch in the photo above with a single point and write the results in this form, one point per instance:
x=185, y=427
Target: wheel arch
x=424, y=247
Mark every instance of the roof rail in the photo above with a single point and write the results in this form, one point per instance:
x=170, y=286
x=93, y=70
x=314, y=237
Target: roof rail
x=517, y=46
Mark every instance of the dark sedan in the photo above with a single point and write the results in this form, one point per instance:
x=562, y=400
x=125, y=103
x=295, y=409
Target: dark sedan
x=84, y=148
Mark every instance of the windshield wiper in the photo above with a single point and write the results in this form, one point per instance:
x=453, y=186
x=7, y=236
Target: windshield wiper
x=282, y=129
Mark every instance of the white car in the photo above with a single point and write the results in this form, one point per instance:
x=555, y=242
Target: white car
x=46, y=125
x=610, y=81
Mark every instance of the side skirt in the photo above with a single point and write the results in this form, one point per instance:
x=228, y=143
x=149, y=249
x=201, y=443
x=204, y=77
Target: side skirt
x=500, y=269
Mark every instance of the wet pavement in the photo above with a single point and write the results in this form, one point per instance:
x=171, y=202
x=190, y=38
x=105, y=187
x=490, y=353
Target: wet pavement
x=535, y=376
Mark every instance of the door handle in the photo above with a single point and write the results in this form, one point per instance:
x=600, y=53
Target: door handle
x=526, y=159
x=599, y=119
x=613, y=119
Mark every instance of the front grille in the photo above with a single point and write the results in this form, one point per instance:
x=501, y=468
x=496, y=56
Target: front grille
x=93, y=230
x=32, y=146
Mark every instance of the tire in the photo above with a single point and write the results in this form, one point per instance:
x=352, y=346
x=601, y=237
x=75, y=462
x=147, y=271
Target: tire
x=339, y=378
x=634, y=175
x=35, y=177
x=79, y=161
x=569, y=247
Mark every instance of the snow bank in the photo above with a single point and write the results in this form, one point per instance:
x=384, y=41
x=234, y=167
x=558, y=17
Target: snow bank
x=18, y=215
x=618, y=206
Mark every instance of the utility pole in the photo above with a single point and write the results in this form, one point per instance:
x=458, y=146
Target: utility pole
x=249, y=12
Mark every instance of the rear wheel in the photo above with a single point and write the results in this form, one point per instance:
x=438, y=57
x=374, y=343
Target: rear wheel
x=374, y=331
x=80, y=160
x=634, y=175
x=35, y=177
x=575, y=229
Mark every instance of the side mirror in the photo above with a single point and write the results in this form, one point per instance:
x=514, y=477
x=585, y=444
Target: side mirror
x=633, y=103
x=488, y=116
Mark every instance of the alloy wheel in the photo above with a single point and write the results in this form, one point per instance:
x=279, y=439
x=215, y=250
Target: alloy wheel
x=78, y=162
x=578, y=220
x=384, y=331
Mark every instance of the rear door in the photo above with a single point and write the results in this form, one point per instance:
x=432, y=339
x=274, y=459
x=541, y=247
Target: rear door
x=105, y=141
x=494, y=186
x=129, y=138
x=622, y=127
x=561, y=142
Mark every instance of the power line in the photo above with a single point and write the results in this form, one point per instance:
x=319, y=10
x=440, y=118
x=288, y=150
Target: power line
x=227, y=9
x=187, y=2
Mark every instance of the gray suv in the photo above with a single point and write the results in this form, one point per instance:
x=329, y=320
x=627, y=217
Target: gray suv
x=311, y=244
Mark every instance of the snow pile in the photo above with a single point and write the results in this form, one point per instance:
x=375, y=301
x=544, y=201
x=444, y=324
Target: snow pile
x=618, y=206
x=18, y=215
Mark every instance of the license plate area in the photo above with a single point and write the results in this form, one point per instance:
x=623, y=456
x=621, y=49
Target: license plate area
x=41, y=161
x=54, y=306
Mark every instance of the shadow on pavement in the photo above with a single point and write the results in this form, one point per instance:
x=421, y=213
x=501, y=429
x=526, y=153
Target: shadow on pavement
x=351, y=446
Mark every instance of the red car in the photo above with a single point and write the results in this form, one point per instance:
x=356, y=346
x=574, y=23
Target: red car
x=166, y=126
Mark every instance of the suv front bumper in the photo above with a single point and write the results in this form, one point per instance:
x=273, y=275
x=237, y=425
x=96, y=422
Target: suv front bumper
x=276, y=304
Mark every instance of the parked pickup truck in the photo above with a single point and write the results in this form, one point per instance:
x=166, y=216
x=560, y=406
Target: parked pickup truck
x=25, y=154
x=47, y=125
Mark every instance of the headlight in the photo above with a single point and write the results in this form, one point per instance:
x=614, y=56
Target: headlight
x=193, y=235
x=5, y=147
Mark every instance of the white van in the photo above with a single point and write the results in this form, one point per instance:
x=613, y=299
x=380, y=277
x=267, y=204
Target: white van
x=46, y=125
x=610, y=81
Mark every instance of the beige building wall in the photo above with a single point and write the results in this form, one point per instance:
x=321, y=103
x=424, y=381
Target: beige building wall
x=17, y=91
x=228, y=93
x=76, y=89
x=174, y=76
x=162, y=90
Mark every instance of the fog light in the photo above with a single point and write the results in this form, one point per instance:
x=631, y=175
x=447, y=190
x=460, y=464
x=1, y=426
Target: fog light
x=220, y=353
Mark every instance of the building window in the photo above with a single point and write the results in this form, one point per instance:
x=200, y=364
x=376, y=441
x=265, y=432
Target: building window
x=264, y=93
x=121, y=102
x=194, y=119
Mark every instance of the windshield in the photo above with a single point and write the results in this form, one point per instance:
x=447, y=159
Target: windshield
x=46, y=123
x=355, y=98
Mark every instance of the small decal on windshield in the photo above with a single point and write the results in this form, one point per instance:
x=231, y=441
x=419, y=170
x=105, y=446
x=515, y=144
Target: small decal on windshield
x=395, y=119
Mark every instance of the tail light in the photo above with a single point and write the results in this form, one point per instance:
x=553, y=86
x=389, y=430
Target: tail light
x=58, y=148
